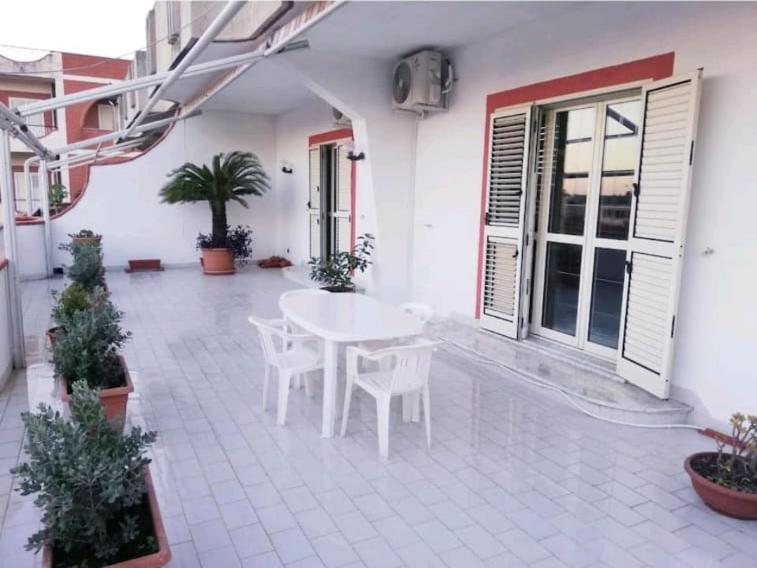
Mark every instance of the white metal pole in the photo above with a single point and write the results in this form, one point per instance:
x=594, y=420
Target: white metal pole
x=24, y=134
x=99, y=153
x=113, y=135
x=28, y=182
x=11, y=252
x=44, y=188
x=228, y=12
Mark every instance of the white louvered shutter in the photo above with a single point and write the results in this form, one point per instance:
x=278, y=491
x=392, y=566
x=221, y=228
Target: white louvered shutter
x=314, y=201
x=343, y=204
x=658, y=229
x=507, y=178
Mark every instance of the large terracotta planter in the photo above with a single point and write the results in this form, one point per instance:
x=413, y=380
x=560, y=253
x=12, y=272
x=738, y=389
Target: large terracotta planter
x=217, y=261
x=113, y=400
x=738, y=504
x=154, y=560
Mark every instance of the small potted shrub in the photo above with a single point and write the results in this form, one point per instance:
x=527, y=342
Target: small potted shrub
x=74, y=298
x=85, y=237
x=94, y=488
x=727, y=480
x=88, y=351
x=87, y=268
x=336, y=271
x=229, y=177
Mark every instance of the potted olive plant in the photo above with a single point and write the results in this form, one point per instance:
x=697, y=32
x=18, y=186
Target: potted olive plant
x=726, y=480
x=86, y=349
x=74, y=298
x=336, y=271
x=94, y=488
x=229, y=177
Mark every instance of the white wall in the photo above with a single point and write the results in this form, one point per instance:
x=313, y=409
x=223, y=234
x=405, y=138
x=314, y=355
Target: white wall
x=122, y=203
x=717, y=323
x=31, y=251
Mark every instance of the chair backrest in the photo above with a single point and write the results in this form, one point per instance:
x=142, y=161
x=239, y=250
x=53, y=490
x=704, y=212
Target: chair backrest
x=271, y=333
x=411, y=365
x=423, y=312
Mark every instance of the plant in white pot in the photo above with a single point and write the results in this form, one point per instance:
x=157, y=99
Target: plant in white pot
x=229, y=177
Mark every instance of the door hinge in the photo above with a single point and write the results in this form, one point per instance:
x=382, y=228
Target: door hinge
x=526, y=239
x=515, y=254
x=528, y=286
x=673, y=327
x=520, y=322
x=629, y=267
x=691, y=153
x=636, y=189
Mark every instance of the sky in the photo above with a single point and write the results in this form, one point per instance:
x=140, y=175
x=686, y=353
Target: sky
x=110, y=28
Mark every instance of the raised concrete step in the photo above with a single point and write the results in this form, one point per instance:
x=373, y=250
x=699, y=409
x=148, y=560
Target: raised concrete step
x=590, y=381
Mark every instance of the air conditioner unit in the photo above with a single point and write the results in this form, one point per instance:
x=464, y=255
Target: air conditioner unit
x=421, y=82
x=339, y=118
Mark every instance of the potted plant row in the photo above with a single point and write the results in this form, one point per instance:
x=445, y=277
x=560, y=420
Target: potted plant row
x=85, y=237
x=87, y=336
x=335, y=272
x=726, y=480
x=94, y=487
x=229, y=177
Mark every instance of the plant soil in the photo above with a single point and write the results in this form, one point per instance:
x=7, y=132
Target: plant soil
x=145, y=543
x=706, y=466
x=121, y=383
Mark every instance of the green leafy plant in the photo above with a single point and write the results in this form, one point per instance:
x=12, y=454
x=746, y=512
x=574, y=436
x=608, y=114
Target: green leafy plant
x=74, y=298
x=56, y=195
x=737, y=468
x=87, y=350
x=87, y=268
x=337, y=271
x=89, y=482
x=238, y=239
x=229, y=177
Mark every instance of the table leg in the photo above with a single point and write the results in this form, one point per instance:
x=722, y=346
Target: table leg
x=329, y=388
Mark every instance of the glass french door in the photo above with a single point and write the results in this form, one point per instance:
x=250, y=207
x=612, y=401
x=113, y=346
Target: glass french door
x=588, y=157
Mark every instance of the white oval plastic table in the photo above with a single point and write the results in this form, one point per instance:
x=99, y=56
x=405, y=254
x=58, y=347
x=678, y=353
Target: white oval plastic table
x=344, y=318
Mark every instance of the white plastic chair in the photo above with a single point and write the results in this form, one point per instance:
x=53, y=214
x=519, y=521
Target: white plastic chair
x=407, y=374
x=292, y=354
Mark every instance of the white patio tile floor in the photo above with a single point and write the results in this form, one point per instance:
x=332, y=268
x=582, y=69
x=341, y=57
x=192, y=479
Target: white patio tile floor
x=514, y=476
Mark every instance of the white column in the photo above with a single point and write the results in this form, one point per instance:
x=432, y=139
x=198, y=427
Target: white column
x=11, y=252
x=44, y=188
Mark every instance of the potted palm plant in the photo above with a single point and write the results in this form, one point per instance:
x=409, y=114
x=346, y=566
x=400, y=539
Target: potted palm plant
x=228, y=178
x=337, y=270
x=726, y=480
x=94, y=488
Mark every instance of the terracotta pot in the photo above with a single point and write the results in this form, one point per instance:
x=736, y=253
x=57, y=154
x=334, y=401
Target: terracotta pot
x=217, y=261
x=145, y=264
x=86, y=240
x=736, y=504
x=113, y=400
x=154, y=560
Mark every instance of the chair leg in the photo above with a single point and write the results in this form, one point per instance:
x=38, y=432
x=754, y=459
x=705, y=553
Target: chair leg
x=347, y=403
x=382, y=414
x=285, y=378
x=427, y=413
x=266, y=379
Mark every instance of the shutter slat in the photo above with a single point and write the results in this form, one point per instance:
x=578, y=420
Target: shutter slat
x=499, y=277
x=506, y=159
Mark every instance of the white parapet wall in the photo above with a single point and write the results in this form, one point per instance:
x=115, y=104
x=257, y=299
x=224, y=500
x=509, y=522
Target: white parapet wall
x=122, y=201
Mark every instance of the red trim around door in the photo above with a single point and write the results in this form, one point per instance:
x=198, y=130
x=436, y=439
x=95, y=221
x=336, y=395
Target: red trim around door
x=656, y=67
x=333, y=136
